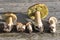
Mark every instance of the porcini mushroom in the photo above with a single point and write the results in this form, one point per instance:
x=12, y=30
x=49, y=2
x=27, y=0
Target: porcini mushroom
x=29, y=26
x=10, y=19
x=53, y=22
x=20, y=27
x=37, y=12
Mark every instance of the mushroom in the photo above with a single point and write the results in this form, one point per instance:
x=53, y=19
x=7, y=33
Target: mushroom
x=10, y=19
x=37, y=12
x=53, y=22
x=29, y=26
x=20, y=27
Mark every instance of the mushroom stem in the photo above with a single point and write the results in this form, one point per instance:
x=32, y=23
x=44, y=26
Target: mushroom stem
x=10, y=21
x=38, y=19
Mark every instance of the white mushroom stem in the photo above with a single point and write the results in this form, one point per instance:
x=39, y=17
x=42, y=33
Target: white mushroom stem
x=24, y=27
x=10, y=21
x=38, y=19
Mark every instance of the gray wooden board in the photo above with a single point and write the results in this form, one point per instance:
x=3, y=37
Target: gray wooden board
x=20, y=7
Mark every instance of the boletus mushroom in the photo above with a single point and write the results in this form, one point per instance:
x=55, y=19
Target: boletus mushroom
x=52, y=22
x=10, y=19
x=38, y=12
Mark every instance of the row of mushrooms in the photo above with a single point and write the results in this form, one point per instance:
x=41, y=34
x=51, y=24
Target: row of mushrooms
x=36, y=12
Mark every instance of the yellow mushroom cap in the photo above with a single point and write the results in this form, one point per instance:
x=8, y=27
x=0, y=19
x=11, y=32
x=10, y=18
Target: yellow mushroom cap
x=9, y=14
x=37, y=7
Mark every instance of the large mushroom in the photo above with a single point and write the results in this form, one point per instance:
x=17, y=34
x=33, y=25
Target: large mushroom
x=38, y=12
x=10, y=19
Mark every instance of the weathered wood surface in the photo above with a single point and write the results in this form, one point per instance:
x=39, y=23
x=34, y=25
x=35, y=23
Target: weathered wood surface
x=21, y=7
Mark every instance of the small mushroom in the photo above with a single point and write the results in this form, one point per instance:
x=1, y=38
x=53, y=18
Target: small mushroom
x=10, y=19
x=53, y=22
x=29, y=26
x=20, y=27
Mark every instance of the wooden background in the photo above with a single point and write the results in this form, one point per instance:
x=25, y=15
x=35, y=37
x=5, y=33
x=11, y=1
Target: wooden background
x=20, y=7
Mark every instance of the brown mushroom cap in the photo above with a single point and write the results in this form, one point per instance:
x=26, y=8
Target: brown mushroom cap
x=9, y=14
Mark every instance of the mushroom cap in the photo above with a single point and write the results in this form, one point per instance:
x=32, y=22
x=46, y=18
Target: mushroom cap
x=9, y=14
x=52, y=19
x=37, y=7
